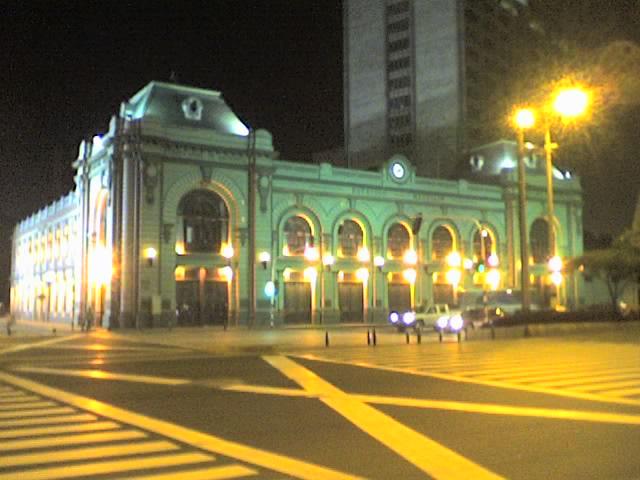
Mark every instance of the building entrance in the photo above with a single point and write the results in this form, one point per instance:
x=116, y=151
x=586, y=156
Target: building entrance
x=201, y=300
x=399, y=297
x=297, y=302
x=350, y=296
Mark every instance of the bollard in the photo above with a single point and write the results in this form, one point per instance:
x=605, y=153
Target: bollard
x=493, y=332
x=326, y=339
x=368, y=337
x=406, y=335
x=459, y=336
x=375, y=338
x=440, y=335
x=419, y=335
x=527, y=333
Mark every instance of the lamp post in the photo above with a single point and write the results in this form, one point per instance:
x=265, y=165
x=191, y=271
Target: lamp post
x=49, y=278
x=568, y=103
x=523, y=119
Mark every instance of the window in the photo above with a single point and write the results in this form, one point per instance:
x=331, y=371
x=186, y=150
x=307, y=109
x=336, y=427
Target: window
x=441, y=243
x=396, y=8
x=350, y=237
x=481, y=242
x=540, y=241
x=398, y=240
x=398, y=83
x=398, y=64
x=205, y=220
x=398, y=26
x=297, y=232
x=401, y=44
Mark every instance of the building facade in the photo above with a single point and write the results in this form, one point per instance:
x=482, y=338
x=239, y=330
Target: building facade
x=425, y=77
x=181, y=214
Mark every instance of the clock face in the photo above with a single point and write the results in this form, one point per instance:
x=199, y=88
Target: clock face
x=397, y=170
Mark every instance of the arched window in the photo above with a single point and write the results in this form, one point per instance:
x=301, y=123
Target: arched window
x=539, y=239
x=205, y=221
x=297, y=232
x=441, y=243
x=482, y=242
x=350, y=237
x=398, y=240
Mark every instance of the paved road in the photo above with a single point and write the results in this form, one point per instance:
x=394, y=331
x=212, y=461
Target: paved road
x=169, y=405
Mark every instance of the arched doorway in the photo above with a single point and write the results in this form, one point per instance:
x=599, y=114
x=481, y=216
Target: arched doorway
x=202, y=276
x=442, y=244
x=299, y=283
x=399, y=289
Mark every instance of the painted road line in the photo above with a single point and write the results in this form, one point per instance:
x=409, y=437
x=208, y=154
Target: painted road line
x=43, y=343
x=254, y=456
x=23, y=422
x=429, y=456
x=592, y=379
x=104, y=375
x=107, y=467
x=494, y=409
x=578, y=373
x=26, y=406
x=595, y=387
x=36, y=413
x=10, y=393
x=486, y=383
x=88, y=453
x=212, y=473
x=81, y=427
x=625, y=392
x=487, y=408
x=21, y=398
x=64, y=440
x=283, y=392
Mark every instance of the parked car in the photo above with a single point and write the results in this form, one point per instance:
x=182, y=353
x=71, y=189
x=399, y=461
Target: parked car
x=495, y=307
x=423, y=317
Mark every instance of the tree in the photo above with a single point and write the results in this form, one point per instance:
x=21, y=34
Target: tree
x=618, y=266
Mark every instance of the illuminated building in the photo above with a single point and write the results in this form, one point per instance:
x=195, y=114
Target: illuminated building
x=159, y=227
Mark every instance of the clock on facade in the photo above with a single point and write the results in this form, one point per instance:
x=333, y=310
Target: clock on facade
x=397, y=170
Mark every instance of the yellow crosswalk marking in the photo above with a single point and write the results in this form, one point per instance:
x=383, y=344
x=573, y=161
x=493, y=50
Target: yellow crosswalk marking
x=111, y=466
x=89, y=453
x=62, y=440
x=213, y=473
x=431, y=457
x=23, y=422
x=19, y=398
x=37, y=413
x=288, y=466
x=26, y=406
x=104, y=375
x=625, y=392
x=81, y=427
x=10, y=393
x=594, y=386
x=571, y=381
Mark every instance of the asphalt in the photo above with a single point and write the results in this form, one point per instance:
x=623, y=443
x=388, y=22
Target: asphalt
x=260, y=339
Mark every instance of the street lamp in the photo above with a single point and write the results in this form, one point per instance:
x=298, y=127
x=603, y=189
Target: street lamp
x=523, y=120
x=568, y=103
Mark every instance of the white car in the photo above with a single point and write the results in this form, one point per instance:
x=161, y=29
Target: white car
x=423, y=317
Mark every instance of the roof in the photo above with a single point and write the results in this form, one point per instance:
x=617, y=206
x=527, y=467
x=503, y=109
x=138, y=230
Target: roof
x=182, y=105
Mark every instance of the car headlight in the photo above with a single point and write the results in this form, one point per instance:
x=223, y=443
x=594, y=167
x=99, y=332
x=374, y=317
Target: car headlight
x=442, y=322
x=456, y=322
x=394, y=317
x=408, y=318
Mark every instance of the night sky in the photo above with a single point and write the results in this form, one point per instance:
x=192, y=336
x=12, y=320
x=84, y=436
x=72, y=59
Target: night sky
x=67, y=65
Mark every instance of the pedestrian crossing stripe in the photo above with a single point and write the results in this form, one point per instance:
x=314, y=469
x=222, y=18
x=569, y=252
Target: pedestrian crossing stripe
x=412, y=361
x=89, y=440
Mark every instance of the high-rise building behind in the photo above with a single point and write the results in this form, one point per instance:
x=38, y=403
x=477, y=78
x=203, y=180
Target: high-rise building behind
x=423, y=77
